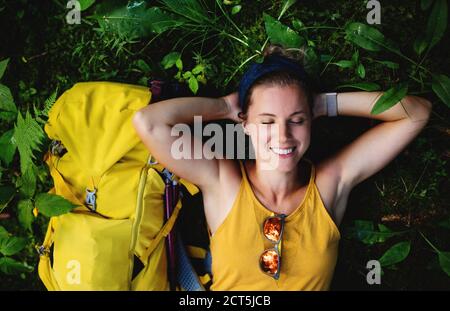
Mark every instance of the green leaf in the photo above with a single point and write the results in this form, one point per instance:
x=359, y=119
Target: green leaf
x=355, y=57
x=6, y=195
x=365, y=232
x=383, y=228
x=282, y=34
x=179, y=64
x=345, y=64
x=361, y=71
x=236, y=9
x=187, y=75
x=425, y=4
x=312, y=62
x=388, y=64
x=11, y=266
x=143, y=66
x=286, y=5
x=143, y=81
x=437, y=23
x=7, y=147
x=193, y=84
x=420, y=44
x=27, y=182
x=198, y=69
x=395, y=254
x=28, y=136
x=135, y=21
x=49, y=102
x=444, y=261
x=3, y=65
x=53, y=205
x=8, y=110
x=368, y=38
x=441, y=86
x=25, y=213
x=170, y=59
x=298, y=24
x=3, y=232
x=365, y=86
x=201, y=78
x=85, y=4
x=390, y=98
x=325, y=58
x=12, y=245
x=363, y=229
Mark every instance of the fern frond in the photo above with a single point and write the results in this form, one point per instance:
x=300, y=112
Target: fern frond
x=48, y=104
x=28, y=136
x=8, y=108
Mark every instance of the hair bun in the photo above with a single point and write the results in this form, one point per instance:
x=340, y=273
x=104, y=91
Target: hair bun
x=295, y=54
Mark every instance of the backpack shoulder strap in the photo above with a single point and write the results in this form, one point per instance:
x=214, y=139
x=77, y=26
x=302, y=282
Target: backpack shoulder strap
x=165, y=230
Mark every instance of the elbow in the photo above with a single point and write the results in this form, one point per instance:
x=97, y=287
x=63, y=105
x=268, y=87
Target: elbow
x=141, y=122
x=422, y=108
x=427, y=107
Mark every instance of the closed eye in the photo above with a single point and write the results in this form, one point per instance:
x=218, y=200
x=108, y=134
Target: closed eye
x=298, y=121
x=267, y=122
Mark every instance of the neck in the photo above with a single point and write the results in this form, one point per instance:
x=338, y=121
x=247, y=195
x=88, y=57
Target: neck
x=277, y=186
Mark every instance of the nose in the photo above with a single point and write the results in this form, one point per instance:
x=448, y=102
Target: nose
x=284, y=132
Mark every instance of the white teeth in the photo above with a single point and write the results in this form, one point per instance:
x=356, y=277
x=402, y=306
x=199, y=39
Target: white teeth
x=282, y=151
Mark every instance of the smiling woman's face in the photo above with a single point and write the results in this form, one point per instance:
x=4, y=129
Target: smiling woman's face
x=279, y=124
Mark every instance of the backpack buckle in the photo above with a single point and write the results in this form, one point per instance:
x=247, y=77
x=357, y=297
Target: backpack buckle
x=42, y=250
x=90, y=199
x=169, y=176
x=152, y=161
x=57, y=148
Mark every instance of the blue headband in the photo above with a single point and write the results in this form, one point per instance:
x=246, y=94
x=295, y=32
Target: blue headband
x=270, y=64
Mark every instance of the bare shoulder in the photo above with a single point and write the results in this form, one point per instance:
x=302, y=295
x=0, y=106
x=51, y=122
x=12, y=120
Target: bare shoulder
x=333, y=191
x=218, y=197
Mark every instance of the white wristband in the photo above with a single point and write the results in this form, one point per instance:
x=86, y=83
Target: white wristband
x=331, y=102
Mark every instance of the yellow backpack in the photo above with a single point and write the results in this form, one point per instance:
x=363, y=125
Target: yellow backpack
x=115, y=238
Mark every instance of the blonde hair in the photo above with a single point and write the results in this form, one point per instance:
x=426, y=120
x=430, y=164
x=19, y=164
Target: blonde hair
x=295, y=54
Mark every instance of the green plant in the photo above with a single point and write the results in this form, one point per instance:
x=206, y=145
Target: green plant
x=193, y=77
x=193, y=18
x=26, y=136
x=10, y=246
x=366, y=232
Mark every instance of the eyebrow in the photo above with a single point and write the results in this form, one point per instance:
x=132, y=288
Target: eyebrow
x=272, y=115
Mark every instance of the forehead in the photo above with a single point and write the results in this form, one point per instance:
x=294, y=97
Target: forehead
x=277, y=99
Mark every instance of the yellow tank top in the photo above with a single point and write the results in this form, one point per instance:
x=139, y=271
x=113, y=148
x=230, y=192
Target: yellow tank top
x=309, y=245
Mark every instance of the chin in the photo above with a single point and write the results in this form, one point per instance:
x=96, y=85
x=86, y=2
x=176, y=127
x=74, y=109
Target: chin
x=287, y=165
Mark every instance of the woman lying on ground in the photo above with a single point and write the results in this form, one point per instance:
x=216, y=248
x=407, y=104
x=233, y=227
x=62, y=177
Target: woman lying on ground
x=273, y=220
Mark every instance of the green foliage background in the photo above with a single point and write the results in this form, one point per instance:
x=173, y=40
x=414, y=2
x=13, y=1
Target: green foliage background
x=400, y=216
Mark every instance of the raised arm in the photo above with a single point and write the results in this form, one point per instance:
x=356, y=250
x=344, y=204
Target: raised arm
x=374, y=149
x=154, y=125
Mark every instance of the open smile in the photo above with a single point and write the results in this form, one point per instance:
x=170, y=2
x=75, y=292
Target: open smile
x=285, y=152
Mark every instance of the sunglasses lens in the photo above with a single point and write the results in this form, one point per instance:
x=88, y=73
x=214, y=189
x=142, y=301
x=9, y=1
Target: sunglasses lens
x=272, y=228
x=269, y=261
